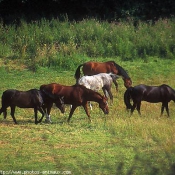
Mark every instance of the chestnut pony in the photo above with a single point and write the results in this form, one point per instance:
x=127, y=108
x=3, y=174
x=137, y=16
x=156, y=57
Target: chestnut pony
x=76, y=95
x=152, y=94
x=93, y=68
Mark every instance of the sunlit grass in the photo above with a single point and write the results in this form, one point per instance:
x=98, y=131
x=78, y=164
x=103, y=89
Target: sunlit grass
x=112, y=144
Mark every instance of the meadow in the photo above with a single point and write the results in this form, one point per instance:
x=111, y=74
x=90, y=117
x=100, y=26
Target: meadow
x=111, y=144
x=42, y=52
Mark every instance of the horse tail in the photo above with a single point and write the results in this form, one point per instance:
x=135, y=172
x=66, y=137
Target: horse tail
x=77, y=72
x=2, y=101
x=4, y=98
x=127, y=97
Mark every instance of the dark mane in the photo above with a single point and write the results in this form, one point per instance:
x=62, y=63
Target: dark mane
x=121, y=71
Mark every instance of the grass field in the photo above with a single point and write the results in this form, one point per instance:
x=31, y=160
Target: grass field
x=111, y=144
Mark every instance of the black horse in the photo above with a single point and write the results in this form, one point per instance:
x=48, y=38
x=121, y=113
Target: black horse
x=152, y=94
x=27, y=99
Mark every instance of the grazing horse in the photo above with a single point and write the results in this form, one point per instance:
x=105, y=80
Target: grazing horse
x=152, y=94
x=26, y=99
x=100, y=81
x=93, y=68
x=76, y=95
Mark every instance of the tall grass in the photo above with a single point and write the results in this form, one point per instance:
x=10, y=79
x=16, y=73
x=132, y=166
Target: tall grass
x=66, y=44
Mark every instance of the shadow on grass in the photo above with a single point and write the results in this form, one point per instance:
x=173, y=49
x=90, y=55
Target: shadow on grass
x=144, y=165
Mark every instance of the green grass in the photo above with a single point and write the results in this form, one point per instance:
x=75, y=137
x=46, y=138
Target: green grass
x=111, y=144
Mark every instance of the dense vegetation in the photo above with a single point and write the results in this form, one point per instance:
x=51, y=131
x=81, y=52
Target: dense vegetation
x=67, y=44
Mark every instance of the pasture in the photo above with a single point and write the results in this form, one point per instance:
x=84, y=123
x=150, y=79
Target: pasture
x=111, y=144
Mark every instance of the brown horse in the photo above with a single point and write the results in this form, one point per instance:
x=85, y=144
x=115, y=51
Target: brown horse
x=152, y=94
x=76, y=95
x=32, y=98
x=93, y=68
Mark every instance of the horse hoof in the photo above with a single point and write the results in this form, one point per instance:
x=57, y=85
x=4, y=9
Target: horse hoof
x=48, y=121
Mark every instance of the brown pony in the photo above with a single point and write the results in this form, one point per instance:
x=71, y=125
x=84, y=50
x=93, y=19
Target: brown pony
x=93, y=68
x=76, y=95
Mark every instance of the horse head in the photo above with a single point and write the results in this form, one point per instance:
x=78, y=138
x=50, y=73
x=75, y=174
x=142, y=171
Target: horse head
x=127, y=82
x=104, y=105
x=59, y=102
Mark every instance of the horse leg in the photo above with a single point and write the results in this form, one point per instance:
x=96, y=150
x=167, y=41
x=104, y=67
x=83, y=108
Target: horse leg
x=71, y=112
x=105, y=92
x=138, y=107
x=5, y=114
x=35, y=111
x=90, y=104
x=48, y=119
x=87, y=112
x=162, y=109
x=110, y=95
x=13, y=114
x=167, y=109
x=116, y=85
x=42, y=111
x=133, y=108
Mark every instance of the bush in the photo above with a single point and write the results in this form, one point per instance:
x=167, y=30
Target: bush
x=53, y=42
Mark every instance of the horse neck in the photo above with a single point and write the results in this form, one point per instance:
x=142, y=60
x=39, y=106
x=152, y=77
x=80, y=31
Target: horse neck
x=95, y=96
x=122, y=72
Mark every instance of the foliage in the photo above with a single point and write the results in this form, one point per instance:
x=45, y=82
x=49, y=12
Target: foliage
x=67, y=44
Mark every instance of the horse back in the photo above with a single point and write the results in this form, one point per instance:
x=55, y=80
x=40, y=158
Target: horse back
x=22, y=99
x=93, y=68
x=168, y=93
x=153, y=94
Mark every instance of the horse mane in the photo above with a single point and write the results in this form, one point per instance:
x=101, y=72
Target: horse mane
x=121, y=71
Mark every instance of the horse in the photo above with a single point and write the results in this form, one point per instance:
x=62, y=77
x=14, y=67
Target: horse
x=93, y=68
x=76, y=95
x=152, y=94
x=32, y=98
x=100, y=81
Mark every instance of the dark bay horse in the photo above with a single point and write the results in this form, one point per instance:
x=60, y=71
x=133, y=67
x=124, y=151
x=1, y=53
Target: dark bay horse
x=26, y=99
x=152, y=94
x=93, y=68
x=76, y=95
